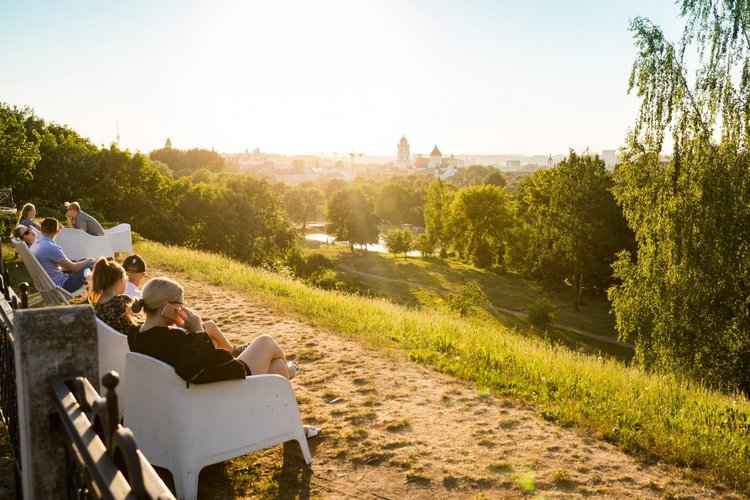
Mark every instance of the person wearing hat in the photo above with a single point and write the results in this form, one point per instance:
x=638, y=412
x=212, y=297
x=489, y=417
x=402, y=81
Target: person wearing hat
x=136, y=271
x=82, y=220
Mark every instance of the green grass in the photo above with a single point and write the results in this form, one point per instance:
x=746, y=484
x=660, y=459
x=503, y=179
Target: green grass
x=430, y=281
x=658, y=417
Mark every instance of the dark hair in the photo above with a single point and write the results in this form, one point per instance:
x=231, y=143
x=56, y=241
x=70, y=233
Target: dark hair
x=50, y=225
x=105, y=274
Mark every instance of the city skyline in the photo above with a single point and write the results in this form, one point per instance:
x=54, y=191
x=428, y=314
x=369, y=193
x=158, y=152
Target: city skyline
x=477, y=78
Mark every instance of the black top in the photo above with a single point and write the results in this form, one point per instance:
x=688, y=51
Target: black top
x=192, y=354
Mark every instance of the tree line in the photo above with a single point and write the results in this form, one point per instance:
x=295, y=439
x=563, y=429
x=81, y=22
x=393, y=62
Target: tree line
x=48, y=164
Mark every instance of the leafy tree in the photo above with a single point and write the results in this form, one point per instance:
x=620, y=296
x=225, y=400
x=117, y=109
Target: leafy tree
x=424, y=245
x=495, y=178
x=436, y=211
x=302, y=202
x=392, y=203
x=352, y=218
x=186, y=162
x=572, y=223
x=400, y=241
x=19, y=147
x=480, y=220
x=683, y=298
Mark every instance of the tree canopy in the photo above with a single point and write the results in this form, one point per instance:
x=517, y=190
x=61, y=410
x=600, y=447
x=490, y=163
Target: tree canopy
x=683, y=298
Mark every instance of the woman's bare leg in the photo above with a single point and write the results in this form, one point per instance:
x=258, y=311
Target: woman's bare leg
x=216, y=336
x=264, y=355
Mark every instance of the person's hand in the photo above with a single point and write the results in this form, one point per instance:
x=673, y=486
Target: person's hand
x=191, y=321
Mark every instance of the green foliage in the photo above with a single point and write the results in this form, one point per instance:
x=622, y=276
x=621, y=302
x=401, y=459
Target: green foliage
x=424, y=245
x=352, y=218
x=400, y=241
x=468, y=297
x=571, y=227
x=19, y=146
x=683, y=299
x=479, y=223
x=235, y=215
x=436, y=213
x=302, y=202
x=7, y=223
x=541, y=314
x=187, y=162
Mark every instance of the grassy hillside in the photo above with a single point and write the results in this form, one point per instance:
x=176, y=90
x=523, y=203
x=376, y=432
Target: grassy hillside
x=661, y=418
x=427, y=283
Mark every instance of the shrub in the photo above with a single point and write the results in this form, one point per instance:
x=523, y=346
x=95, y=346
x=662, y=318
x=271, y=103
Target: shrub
x=541, y=313
x=469, y=296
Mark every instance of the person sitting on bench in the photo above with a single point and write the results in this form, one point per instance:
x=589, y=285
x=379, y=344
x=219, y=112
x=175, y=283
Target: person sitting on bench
x=64, y=273
x=28, y=213
x=25, y=234
x=82, y=220
x=107, y=295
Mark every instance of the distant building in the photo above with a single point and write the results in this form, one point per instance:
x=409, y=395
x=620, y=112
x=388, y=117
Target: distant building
x=436, y=158
x=404, y=155
x=609, y=156
x=513, y=163
x=168, y=144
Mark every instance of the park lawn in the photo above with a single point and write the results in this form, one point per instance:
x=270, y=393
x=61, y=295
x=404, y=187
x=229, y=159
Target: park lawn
x=428, y=276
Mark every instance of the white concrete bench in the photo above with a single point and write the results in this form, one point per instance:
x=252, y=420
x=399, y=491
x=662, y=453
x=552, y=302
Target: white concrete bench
x=121, y=238
x=77, y=244
x=184, y=429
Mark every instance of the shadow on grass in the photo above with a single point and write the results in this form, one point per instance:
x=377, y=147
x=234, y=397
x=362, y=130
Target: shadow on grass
x=258, y=475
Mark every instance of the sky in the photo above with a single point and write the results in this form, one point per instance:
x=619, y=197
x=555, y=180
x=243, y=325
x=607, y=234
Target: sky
x=312, y=77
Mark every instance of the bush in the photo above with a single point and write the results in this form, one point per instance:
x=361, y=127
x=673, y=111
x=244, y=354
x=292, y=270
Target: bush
x=541, y=314
x=468, y=297
x=7, y=223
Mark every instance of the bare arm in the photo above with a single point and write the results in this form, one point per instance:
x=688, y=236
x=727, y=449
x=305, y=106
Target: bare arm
x=71, y=267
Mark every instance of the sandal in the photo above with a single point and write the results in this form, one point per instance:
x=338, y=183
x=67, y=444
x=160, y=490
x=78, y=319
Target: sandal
x=294, y=369
x=311, y=431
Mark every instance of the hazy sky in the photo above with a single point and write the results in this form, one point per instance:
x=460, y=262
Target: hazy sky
x=311, y=76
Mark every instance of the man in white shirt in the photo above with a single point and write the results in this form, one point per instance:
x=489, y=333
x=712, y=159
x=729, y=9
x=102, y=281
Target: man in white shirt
x=136, y=270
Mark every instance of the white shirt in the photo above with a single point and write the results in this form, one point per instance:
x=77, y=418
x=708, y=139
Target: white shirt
x=132, y=291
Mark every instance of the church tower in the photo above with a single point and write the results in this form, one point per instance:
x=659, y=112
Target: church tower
x=403, y=154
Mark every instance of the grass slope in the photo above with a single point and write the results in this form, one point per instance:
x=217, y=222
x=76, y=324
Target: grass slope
x=659, y=417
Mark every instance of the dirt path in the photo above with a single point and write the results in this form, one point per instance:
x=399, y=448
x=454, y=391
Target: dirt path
x=394, y=429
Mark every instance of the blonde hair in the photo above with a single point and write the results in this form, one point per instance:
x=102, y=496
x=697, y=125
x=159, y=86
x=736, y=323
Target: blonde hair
x=25, y=212
x=158, y=291
x=105, y=274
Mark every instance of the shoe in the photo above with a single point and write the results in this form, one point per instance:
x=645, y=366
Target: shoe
x=294, y=369
x=311, y=431
x=237, y=350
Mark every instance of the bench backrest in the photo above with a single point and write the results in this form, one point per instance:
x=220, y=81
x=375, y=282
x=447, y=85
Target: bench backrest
x=51, y=293
x=121, y=238
x=79, y=244
x=113, y=346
